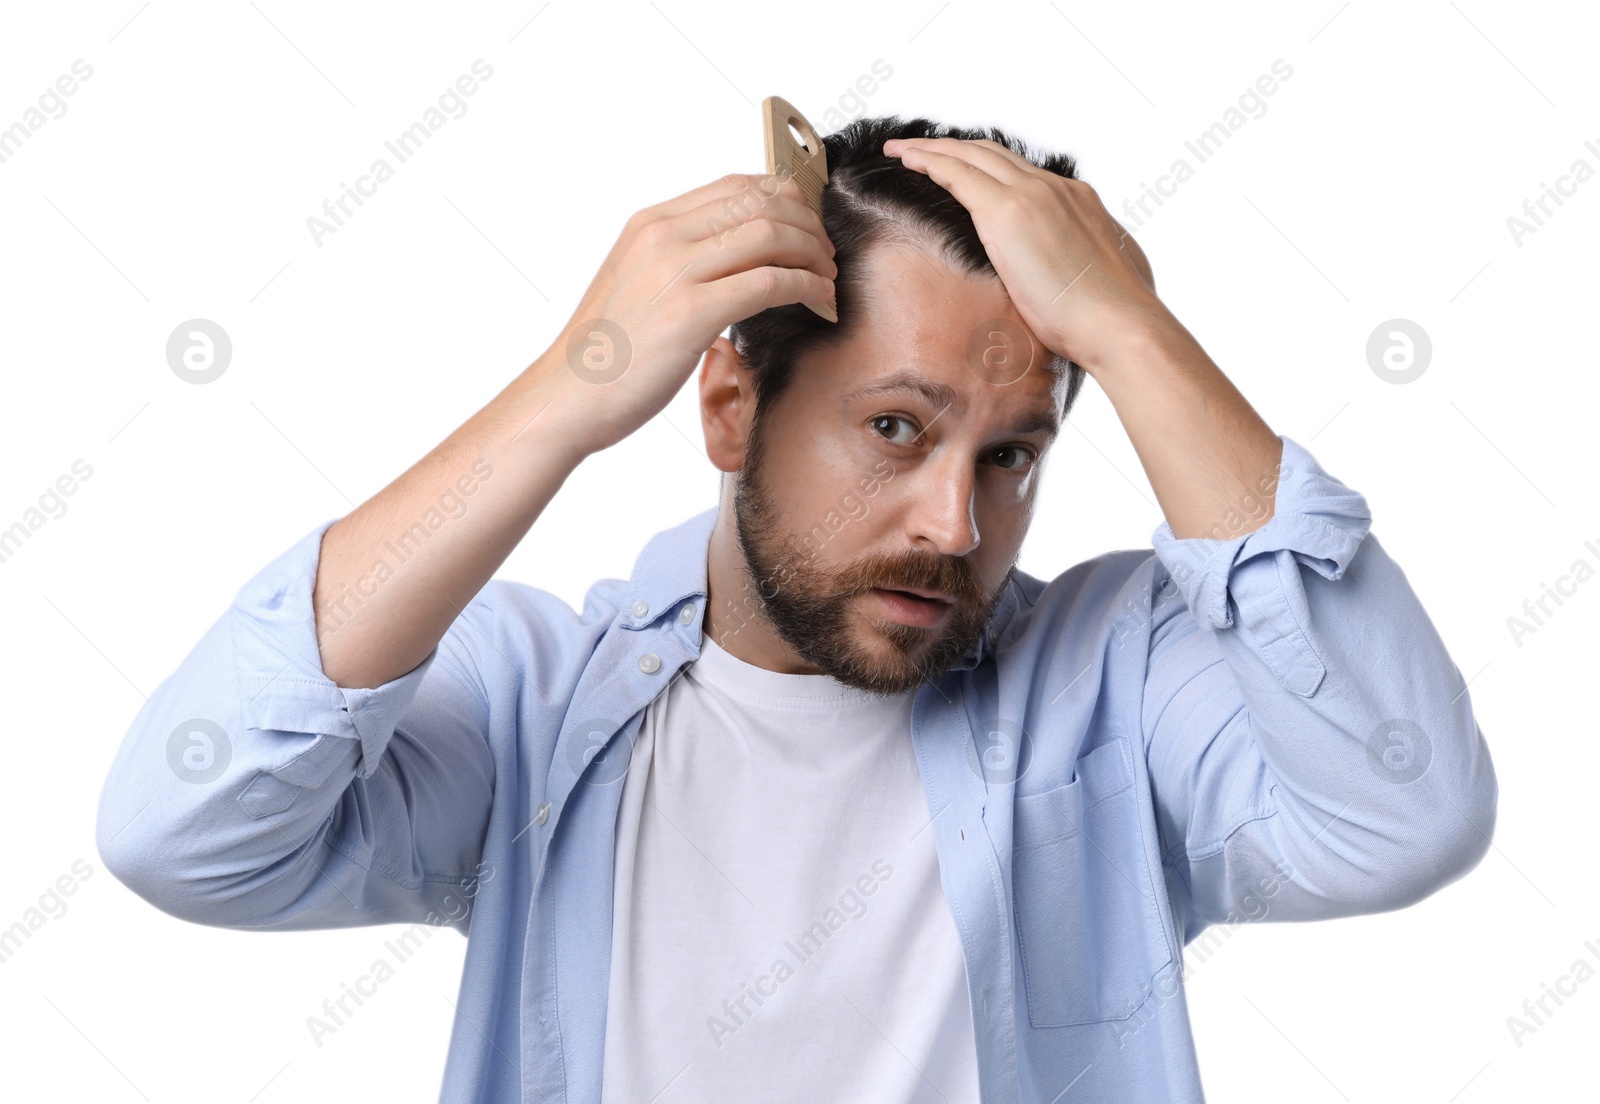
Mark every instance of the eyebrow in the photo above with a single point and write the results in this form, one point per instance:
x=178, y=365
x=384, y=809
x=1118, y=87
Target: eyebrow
x=943, y=396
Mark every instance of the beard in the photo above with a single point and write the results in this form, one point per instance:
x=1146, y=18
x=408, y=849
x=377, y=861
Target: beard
x=809, y=605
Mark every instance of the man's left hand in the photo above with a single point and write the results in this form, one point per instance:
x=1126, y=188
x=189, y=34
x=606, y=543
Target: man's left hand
x=1078, y=280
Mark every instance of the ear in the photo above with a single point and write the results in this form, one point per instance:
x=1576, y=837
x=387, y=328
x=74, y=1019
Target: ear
x=727, y=399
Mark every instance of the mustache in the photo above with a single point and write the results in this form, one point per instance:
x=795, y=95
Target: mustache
x=954, y=577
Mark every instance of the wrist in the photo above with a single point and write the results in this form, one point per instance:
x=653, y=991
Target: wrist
x=545, y=408
x=1141, y=341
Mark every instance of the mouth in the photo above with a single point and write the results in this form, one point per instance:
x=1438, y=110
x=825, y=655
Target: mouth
x=923, y=608
x=929, y=595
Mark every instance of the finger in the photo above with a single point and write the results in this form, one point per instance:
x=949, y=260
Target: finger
x=991, y=157
x=726, y=216
x=972, y=185
x=752, y=188
x=1010, y=156
x=758, y=243
x=754, y=290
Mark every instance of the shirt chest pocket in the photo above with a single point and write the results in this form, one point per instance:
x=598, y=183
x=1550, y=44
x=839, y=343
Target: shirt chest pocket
x=1088, y=923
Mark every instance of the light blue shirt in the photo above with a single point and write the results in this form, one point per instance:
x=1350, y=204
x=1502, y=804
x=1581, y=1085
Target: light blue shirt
x=1152, y=744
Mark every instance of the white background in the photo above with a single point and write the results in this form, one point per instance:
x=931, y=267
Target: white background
x=178, y=183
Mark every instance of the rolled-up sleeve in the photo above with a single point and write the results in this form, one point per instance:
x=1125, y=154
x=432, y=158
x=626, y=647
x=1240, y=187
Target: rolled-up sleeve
x=251, y=791
x=1311, y=745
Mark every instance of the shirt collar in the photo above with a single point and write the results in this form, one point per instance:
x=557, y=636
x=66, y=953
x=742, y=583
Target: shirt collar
x=670, y=568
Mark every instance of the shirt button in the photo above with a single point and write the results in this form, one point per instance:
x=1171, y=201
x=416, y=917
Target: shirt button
x=686, y=614
x=543, y=814
x=641, y=608
x=649, y=663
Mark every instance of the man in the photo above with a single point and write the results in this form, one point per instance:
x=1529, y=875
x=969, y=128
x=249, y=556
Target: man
x=828, y=801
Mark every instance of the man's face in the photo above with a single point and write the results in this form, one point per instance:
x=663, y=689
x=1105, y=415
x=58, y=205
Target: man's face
x=900, y=459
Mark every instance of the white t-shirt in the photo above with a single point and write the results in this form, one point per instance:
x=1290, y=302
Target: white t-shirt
x=779, y=929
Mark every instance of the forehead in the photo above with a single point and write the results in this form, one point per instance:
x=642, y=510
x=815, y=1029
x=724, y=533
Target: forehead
x=954, y=337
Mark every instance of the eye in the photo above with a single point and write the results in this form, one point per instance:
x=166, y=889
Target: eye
x=1013, y=459
x=1023, y=458
x=878, y=421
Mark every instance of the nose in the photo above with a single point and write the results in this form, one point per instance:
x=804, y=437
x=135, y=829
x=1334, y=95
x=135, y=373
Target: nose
x=942, y=517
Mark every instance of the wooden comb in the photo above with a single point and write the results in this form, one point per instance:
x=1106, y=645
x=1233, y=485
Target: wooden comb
x=807, y=164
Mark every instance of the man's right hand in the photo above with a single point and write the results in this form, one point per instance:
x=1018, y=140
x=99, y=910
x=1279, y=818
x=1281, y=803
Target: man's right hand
x=681, y=272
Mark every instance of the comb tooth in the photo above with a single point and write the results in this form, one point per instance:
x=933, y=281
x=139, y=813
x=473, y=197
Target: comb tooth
x=810, y=184
x=804, y=177
x=808, y=179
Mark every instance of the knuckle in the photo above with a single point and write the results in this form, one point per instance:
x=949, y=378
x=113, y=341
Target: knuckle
x=734, y=209
x=1040, y=189
x=652, y=235
x=764, y=231
x=1013, y=206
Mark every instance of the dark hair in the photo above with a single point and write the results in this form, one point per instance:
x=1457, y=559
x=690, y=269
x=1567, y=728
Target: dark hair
x=871, y=198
